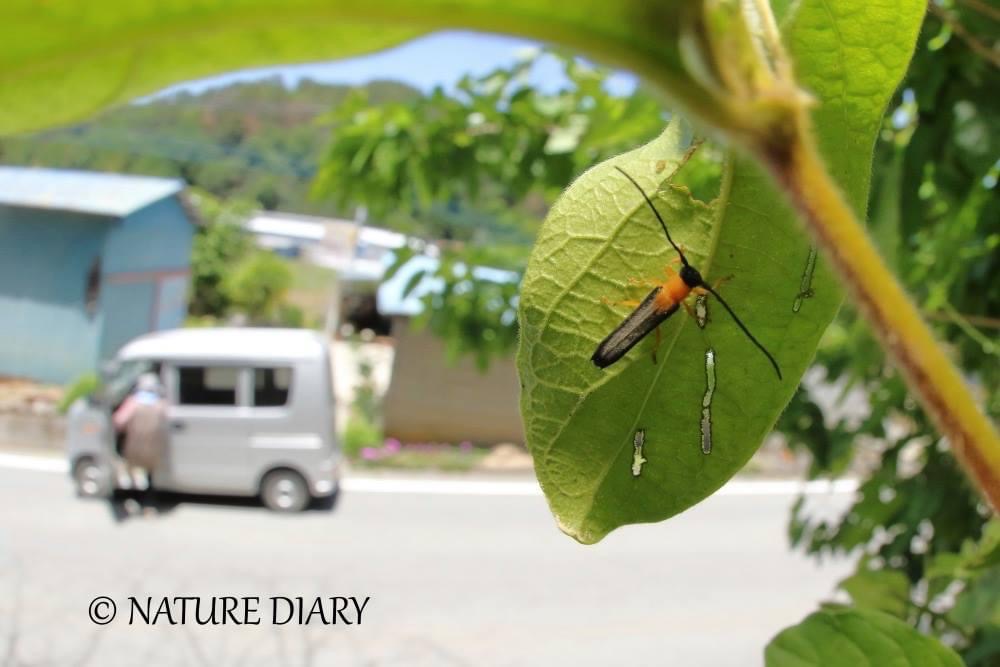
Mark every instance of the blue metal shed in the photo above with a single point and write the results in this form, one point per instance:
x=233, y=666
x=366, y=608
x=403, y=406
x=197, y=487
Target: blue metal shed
x=87, y=261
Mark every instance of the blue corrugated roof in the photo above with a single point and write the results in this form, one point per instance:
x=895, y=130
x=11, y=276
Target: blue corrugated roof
x=94, y=192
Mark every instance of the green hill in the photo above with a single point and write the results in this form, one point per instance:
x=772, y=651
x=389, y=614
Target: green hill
x=257, y=140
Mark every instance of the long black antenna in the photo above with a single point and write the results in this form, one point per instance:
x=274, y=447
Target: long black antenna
x=656, y=213
x=756, y=342
x=705, y=285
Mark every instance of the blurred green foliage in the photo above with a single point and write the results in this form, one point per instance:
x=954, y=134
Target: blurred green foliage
x=842, y=636
x=80, y=387
x=363, y=423
x=229, y=275
x=476, y=171
x=934, y=212
x=359, y=433
x=257, y=285
x=489, y=146
x=475, y=310
x=219, y=243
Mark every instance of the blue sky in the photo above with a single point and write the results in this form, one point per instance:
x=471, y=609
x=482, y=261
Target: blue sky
x=423, y=63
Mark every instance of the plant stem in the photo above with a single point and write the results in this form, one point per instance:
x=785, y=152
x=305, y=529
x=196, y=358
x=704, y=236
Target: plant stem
x=944, y=315
x=960, y=31
x=965, y=325
x=930, y=374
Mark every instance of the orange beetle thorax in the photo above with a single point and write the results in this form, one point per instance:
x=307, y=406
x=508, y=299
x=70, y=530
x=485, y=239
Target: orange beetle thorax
x=671, y=293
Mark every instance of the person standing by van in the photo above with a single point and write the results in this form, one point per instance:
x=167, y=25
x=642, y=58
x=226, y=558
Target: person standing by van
x=142, y=419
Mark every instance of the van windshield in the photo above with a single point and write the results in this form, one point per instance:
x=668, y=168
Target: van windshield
x=117, y=385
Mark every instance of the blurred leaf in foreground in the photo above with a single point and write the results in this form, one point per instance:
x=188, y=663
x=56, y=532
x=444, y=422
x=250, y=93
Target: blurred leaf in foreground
x=856, y=638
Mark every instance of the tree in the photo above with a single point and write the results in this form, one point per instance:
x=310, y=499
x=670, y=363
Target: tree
x=492, y=144
x=218, y=244
x=230, y=276
x=255, y=140
x=257, y=286
x=478, y=169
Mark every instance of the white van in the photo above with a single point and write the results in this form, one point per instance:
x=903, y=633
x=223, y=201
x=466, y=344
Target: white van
x=250, y=412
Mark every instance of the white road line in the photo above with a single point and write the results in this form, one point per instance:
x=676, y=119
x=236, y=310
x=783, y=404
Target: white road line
x=352, y=484
x=739, y=487
x=786, y=487
x=459, y=487
x=36, y=463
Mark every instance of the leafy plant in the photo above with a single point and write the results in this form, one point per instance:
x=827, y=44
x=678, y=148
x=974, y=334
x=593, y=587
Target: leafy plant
x=359, y=432
x=489, y=146
x=472, y=306
x=363, y=424
x=81, y=387
x=257, y=285
x=219, y=243
x=843, y=636
x=229, y=275
x=581, y=422
x=957, y=597
x=478, y=169
x=931, y=199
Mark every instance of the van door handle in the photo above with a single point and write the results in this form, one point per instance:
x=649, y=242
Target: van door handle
x=177, y=426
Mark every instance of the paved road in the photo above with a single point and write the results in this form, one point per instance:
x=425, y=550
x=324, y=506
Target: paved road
x=456, y=579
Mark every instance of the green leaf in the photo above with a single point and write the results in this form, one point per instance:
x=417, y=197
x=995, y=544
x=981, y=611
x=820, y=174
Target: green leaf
x=856, y=638
x=580, y=421
x=881, y=590
x=62, y=62
x=979, y=603
x=412, y=283
x=851, y=55
x=975, y=557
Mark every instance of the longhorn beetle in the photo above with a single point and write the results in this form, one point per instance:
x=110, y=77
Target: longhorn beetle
x=661, y=303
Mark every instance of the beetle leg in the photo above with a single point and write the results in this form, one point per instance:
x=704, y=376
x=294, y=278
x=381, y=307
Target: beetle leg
x=644, y=282
x=631, y=303
x=656, y=345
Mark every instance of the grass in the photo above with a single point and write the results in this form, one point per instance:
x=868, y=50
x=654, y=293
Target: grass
x=310, y=289
x=447, y=458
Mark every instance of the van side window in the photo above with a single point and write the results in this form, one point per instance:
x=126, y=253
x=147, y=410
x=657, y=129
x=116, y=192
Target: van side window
x=200, y=385
x=270, y=386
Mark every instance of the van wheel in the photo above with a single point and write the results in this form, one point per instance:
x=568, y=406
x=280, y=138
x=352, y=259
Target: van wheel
x=89, y=478
x=284, y=491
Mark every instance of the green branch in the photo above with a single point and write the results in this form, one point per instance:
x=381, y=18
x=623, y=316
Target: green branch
x=891, y=314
